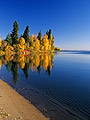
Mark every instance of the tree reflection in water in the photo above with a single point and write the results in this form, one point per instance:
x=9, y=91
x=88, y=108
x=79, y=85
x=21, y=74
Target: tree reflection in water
x=33, y=62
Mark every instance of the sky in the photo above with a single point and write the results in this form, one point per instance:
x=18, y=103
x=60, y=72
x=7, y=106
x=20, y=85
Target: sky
x=68, y=19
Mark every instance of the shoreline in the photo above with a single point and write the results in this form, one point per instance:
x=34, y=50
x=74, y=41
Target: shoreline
x=13, y=106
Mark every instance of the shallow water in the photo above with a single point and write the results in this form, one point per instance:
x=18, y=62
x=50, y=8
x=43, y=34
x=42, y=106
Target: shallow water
x=57, y=84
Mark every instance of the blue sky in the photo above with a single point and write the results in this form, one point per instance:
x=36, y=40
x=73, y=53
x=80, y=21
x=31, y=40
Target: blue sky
x=68, y=19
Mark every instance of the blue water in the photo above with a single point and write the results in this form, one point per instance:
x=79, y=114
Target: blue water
x=62, y=93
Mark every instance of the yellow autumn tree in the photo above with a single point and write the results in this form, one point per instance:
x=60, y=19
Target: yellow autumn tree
x=22, y=41
x=37, y=44
x=20, y=46
x=33, y=39
x=45, y=42
x=17, y=47
x=9, y=48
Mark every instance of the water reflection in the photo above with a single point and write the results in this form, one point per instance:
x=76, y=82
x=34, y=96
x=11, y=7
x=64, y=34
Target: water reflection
x=33, y=62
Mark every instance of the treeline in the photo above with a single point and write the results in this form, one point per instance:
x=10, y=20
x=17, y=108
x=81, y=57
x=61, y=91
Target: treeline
x=26, y=42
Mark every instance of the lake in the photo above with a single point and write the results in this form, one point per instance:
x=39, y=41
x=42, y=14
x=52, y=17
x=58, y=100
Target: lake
x=57, y=84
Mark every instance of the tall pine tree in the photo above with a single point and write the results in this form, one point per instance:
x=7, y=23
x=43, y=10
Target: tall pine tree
x=8, y=39
x=49, y=34
x=39, y=35
x=14, y=34
x=26, y=34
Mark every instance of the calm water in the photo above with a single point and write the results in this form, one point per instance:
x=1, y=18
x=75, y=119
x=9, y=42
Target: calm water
x=57, y=84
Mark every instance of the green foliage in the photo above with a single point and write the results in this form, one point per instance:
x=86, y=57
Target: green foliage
x=8, y=39
x=26, y=34
x=21, y=36
x=49, y=34
x=2, y=53
x=14, y=34
x=57, y=49
x=39, y=35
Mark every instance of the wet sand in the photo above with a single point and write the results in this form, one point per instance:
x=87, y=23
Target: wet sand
x=15, y=107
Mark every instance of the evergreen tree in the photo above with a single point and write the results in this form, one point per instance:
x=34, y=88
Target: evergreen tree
x=14, y=34
x=26, y=34
x=49, y=34
x=21, y=36
x=8, y=39
x=39, y=35
x=53, y=37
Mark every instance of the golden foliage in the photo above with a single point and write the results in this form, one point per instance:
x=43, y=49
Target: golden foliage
x=45, y=42
x=4, y=44
x=9, y=57
x=19, y=47
x=22, y=41
x=9, y=48
x=37, y=44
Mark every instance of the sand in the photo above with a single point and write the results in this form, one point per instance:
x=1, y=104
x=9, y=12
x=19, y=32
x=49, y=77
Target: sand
x=15, y=107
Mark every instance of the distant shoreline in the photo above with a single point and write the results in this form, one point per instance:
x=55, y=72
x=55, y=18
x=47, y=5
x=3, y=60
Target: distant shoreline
x=75, y=50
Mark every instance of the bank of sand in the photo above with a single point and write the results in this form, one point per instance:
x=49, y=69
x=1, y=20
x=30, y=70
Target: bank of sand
x=15, y=107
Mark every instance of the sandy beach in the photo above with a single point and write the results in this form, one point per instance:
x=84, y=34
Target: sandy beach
x=15, y=107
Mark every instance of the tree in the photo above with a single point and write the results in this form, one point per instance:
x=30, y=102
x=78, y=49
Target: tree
x=39, y=35
x=45, y=42
x=22, y=41
x=14, y=34
x=49, y=34
x=37, y=44
x=26, y=34
x=4, y=44
x=9, y=48
x=8, y=39
x=0, y=42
